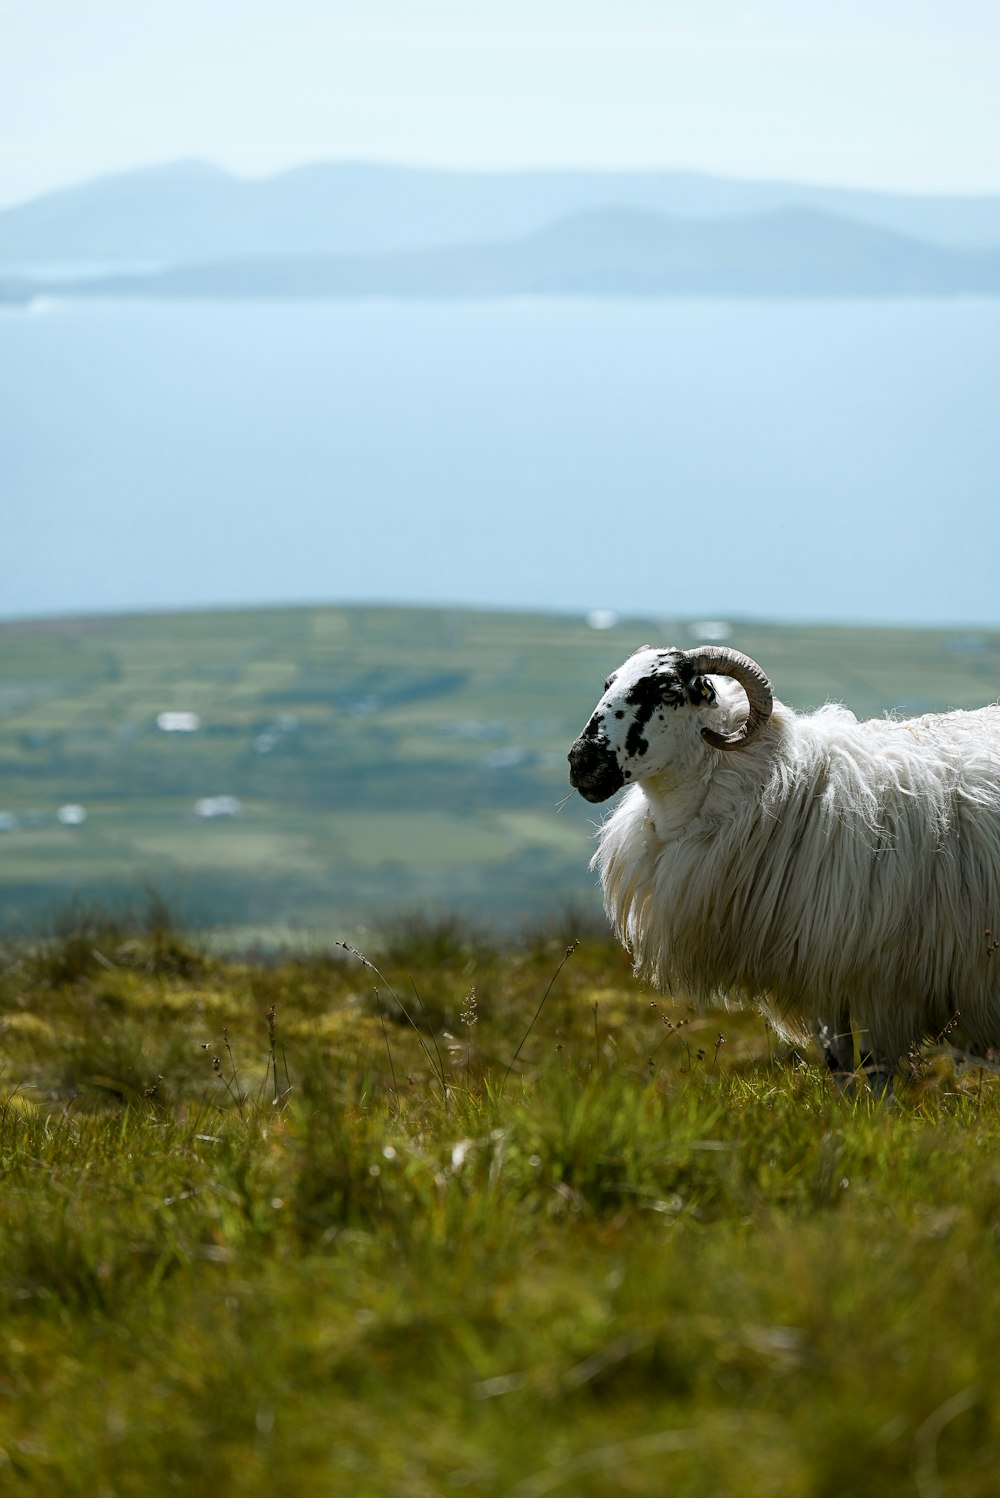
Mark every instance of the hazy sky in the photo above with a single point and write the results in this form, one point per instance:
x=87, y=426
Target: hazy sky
x=895, y=93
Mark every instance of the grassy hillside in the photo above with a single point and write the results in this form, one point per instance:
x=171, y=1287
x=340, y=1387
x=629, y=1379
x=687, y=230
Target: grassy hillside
x=261, y=1233
x=383, y=759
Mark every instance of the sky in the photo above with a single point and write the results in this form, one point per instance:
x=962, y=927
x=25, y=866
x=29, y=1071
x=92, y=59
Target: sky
x=873, y=93
x=890, y=94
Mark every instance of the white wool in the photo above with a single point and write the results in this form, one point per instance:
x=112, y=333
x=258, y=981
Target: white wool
x=830, y=871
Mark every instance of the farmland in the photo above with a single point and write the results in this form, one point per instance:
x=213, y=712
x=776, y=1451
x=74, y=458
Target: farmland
x=350, y=763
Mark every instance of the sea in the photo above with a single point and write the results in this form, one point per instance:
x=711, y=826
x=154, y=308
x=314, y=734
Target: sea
x=785, y=460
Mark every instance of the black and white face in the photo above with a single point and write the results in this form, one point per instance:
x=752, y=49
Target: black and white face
x=647, y=722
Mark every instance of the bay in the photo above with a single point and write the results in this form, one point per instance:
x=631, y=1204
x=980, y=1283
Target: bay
x=781, y=460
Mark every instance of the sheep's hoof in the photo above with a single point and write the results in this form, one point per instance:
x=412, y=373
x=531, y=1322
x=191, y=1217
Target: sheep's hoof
x=878, y=1075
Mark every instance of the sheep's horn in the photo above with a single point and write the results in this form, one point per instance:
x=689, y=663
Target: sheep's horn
x=721, y=661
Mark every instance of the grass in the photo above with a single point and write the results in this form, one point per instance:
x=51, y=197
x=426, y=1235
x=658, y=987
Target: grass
x=347, y=1251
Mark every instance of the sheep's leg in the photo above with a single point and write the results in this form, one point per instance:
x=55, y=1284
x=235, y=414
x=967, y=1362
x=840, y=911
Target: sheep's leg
x=876, y=1070
x=836, y=1041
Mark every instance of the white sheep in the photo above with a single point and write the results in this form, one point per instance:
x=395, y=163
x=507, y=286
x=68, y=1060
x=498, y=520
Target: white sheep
x=837, y=874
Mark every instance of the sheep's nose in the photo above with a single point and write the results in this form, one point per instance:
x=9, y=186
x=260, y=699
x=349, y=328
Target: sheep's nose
x=593, y=770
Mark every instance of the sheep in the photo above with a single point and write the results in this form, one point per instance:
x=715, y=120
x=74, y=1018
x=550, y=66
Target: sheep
x=837, y=874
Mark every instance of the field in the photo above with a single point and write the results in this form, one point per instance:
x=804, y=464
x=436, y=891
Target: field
x=350, y=762
x=471, y=1212
x=489, y=1220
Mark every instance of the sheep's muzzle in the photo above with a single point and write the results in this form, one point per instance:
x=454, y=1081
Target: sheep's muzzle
x=594, y=770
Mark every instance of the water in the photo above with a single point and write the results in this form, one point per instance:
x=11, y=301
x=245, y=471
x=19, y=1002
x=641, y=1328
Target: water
x=695, y=459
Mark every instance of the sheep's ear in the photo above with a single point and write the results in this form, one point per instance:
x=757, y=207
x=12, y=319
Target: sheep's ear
x=700, y=692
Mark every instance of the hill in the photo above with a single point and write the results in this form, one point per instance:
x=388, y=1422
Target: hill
x=791, y=253
x=320, y=768
x=192, y=211
x=795, y=252
x=352, y=230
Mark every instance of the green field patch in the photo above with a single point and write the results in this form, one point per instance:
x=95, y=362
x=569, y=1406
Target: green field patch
x=36, y=852
x=547, y=829
x=417, y=839
x=228, y=845
x=264, y=676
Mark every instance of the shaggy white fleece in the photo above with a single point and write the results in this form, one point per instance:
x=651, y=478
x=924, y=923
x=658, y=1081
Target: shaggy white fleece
x=832, y=871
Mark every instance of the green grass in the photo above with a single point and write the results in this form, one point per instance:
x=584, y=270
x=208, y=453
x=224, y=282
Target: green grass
x=637, y=1260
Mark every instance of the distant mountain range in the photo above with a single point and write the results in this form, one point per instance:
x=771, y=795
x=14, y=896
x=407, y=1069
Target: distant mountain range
x=350, y=230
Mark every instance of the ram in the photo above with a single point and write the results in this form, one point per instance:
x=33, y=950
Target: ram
x=841, y=875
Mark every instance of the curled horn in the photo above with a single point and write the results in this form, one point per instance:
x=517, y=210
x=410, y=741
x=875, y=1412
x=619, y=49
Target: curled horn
x=720, y=661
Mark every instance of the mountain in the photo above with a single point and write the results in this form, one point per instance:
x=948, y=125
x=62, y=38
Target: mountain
x=614, y=252
x=192, y=211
